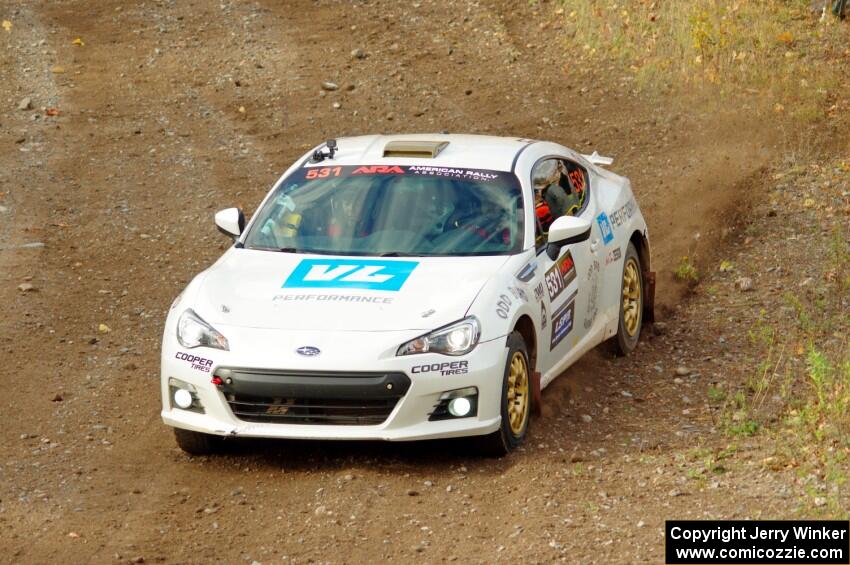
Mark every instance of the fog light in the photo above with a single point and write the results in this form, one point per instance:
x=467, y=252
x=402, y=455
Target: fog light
x=183, y=398
x=458, y=403
x=460, y=407
x=184, y=395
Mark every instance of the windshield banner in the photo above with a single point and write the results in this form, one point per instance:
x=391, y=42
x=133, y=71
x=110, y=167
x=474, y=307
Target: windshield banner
x=318, y=173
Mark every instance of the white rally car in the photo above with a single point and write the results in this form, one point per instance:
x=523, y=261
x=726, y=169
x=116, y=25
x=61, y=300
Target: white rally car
x=407, y=287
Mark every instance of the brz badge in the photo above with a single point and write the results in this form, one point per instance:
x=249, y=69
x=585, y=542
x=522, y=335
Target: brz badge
x=308, y=351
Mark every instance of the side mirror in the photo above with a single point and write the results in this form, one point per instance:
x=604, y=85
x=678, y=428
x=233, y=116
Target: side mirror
x=230, y=221
x=564, y=231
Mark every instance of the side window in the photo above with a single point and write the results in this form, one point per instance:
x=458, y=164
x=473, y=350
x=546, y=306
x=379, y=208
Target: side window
x=560, y=188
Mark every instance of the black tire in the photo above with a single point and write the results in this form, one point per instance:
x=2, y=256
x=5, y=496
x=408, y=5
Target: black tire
x=625, y=341
x=505, y=439
x=197, y=443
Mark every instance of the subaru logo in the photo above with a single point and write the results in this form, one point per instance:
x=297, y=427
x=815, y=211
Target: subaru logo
x=308, y=351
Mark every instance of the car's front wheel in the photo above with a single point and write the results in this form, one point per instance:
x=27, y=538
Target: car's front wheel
x=197, y=443
x=631, y=304
x=515, y=403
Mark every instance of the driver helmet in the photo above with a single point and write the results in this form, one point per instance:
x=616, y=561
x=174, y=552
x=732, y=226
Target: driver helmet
x=546, y=174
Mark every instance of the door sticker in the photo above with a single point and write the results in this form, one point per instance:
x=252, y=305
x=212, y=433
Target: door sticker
x=562, y=322
x=560, y=275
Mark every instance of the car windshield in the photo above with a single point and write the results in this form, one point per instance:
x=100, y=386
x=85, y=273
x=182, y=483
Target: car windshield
x=392, y=210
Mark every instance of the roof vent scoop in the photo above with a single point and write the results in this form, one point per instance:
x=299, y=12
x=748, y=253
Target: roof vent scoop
x=423, y=149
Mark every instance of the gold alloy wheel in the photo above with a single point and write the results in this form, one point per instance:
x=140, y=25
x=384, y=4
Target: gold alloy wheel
x=518, y=393
x=631, y=297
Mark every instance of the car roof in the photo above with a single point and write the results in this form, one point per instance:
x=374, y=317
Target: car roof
x=462, y=151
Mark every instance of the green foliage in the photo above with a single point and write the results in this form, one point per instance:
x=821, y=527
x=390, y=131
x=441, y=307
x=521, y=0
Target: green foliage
x=685, y=271
x=743, y=428
x=773, y=48
x=716, y=395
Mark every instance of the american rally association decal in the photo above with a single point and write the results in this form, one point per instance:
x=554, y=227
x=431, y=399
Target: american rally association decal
x=560, y=275
x=328, y=173
x=562, y=321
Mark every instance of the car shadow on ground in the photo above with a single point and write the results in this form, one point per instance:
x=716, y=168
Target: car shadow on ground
x=332, y=455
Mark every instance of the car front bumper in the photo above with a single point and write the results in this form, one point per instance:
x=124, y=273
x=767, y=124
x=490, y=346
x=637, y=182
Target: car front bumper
x=272, y=360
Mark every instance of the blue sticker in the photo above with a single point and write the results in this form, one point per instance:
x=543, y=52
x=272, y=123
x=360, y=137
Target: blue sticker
x=605, y=228
x=350, y=273
x=562, y=323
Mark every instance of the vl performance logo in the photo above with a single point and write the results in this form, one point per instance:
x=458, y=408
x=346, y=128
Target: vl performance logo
x=350, y=273
x=605, y=228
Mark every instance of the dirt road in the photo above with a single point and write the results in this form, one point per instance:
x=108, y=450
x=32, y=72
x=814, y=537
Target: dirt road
x=169, y=110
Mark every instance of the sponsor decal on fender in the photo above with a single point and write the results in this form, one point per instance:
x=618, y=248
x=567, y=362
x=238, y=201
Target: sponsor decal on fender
x=518, y=293
x=613, y=257
x=562, y=322
x=619, y=216
x=527, y=272
x=198, y=363
x=538, y=292
x=447, y=368
x=605, y=228
x=503, y=306
x=592, y=308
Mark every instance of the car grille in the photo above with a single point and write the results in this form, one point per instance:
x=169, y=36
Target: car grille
x=311, y=410
x=323, y=398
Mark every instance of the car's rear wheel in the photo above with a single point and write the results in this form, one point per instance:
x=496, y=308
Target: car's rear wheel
x=631, y=304
x=197, y=443
x=515, y=403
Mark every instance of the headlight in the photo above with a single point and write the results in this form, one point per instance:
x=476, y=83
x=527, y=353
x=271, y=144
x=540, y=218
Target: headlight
x=456, y=339
x=192, y=331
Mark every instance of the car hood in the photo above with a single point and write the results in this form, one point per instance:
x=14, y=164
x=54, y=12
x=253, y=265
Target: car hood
x=271, y=290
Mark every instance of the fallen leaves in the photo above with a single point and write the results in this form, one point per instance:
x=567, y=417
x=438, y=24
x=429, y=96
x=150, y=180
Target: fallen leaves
x=52, y=111
x=78, y=41
x=786, y=37
x=7, y=25
x=103, y=328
